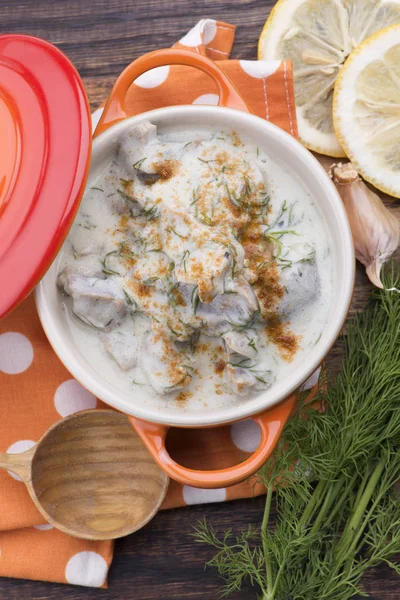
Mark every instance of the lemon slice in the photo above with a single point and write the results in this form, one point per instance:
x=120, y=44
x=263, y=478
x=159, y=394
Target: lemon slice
x=366, y=109
x=317, y=36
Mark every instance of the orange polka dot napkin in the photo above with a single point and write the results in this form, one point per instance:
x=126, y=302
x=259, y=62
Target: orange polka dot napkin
x=35, y=388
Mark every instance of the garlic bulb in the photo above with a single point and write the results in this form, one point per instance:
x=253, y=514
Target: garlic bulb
x=376, y=231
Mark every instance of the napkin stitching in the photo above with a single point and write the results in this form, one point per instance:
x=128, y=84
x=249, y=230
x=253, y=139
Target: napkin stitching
x=288, y=97
x=75, y=549
x=219, y=51
x=227, y=28
x=266, y=99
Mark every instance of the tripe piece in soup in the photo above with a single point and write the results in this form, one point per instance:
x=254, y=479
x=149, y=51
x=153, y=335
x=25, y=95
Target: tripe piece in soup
x=197, y=266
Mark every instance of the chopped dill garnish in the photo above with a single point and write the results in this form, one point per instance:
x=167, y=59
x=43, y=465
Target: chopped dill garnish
x=281, y=212
x=125, y=252
x=206, y=220
x=89, y=227
x=317, y=340
x=171, y=296
x=126, y=182
x=183, y=259
x=228, y=192
x=176, y=233
x=128, y=201
x=172, y=329
x=277, y=241
x=138, y=163
x=310, y=258
x=290, y=213
x=136, y=382
x=195, y=196
x=265, y=263
x=259, y=378
x=97, y=188
x=265, y=200
x=87, y=322
x=106, y=269
x=150, y=213
x=252, y=344
x=129, y=300
x=243, y=363
x=279, y=233
x=285, y=263
x=247, y=184
x=195, y=299
x=150, y=280
x=110, y=272
x=239, y=326
x=206, y=162
x=233, y=266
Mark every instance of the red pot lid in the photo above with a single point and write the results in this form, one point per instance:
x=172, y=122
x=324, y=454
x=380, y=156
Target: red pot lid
x=45, y=143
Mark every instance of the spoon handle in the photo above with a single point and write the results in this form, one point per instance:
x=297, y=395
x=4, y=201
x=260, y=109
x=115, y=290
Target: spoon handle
x=18, y=463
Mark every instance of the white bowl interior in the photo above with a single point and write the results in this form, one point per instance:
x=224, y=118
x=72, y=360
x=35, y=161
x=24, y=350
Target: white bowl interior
x=301, y=162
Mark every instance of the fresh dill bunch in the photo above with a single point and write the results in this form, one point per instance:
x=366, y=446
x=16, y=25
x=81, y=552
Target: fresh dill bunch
x=332, y=476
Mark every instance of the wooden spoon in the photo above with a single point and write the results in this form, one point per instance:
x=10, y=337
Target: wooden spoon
x=91, y=476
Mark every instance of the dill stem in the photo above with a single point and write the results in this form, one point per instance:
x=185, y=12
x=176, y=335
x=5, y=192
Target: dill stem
x=362, y=485
x=313, y=503
x=341, y=499
x=264, y=525
x=331, y=495
x=367, y=518
x=349, y=537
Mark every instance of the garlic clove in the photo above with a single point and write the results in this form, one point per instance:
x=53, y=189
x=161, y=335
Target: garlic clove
x=376, y=231
x=373, y=271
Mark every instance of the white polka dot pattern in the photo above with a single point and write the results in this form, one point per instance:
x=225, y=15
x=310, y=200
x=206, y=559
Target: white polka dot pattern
x=29, y=356
x=312, y=380
x=72, y=397
x=86, y=568
x=259, y=68
x=207, y=99
x=17, y=448
x=246, y=435
x=206, y=29
x=152, y=78
x=209, y=30
x=16, y=353
x=96, y=118
x=193, y=495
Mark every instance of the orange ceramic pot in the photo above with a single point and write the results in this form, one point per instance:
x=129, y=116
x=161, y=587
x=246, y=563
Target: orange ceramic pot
x=271, y=409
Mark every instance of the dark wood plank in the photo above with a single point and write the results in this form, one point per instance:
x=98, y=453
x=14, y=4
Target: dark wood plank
x=101, y=37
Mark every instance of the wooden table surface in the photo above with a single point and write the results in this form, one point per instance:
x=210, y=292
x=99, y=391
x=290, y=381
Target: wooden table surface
x=101, y=37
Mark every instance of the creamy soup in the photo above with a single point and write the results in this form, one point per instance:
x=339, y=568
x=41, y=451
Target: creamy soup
x=198, y=266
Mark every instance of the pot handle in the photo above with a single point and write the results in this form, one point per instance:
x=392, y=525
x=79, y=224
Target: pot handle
x=271, y=423
x=115, y=109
